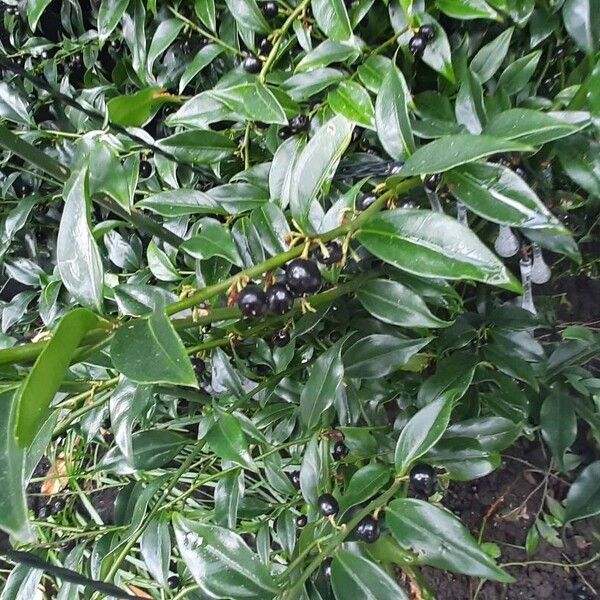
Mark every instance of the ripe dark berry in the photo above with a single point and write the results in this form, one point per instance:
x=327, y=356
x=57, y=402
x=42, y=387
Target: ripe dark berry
x=417, y=45
x=44, y=512
x=335, y=254
x=520, y=171
x=252, y=301
x=173, y=582
x=295, y=479
x=270, y=10
x=340, y=451
x=328, y=505
x=284, y=133
x=251, y=64
x=302, y=277
x=279, y=299
x=145, y=169
x=363, y=202
x=115, y=44
x=199, y=366
x=368, y=530
x=301, y=521
x=432, y=182
x=356, y=134
x=423, y=479
x=45, y=54
x=427, y=32
x=22, y=189
x=265, y=45
x=281, y=338
x=560, y=52
x=57, y=505
x=300, y=123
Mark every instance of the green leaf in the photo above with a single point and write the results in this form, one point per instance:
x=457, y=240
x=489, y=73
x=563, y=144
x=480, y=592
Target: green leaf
x=364, y=484
x=46, y=375
x=467, y=9
x=108, y=175
x=201, y=60
x=214, y=239
x=221, y=563
x=159, y=264
x=437, y=52
x=272, y=226
x=150, y=351
x=469, y=106
x=394, y=303
x=497, y=193
x=199, y=147
x=332, y=18
x=166, y=33
x=311, y=471
x=13, y=506
x=580, y=158
x=352, y=101
x=582, y=23
x=109, y=15
x=326, y=53
x=12, y=107
x=451, y=151
x=227, y=440
x=391, y=115
x=35, y=8
x=515, y=77
x=439, y=539
x=303, y=86
x=205, y=11
x=134, y=110
x=494, y=433
x=489, y=58
x=180, y=202
x=155, y=547
x=150, y=450
x=451, y=380
x=558, y=423
x=431, y=244
x=534, y=127
x=421, y=433
x=464, y=458
x=315, y=166
x=583, y=499
x=78, y=258
x=353, y=576
x=319, y=391
x=247, y=15
x=23, y=582
x=379, y=354
x=252, y=100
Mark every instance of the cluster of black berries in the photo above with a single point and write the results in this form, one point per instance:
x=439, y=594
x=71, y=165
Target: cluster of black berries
x=368, y=530
x=419, y=41
x=53, y=507
x=299, y=124
x=252, y=63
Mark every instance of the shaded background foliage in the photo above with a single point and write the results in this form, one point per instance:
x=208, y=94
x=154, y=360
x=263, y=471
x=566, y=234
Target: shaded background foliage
x=158, y=157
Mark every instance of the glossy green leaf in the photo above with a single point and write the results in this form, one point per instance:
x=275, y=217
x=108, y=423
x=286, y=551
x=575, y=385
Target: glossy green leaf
x=467, y=9
x=214, y=239
x=422, y=242
x=166, y=33
x=180, y=202
x=12, y=107
x=453, y=150
x=394, y=303
x=272, y=226
x=248, y=15
x=303, y=86
x=315, y=166
x=391, y=115
x=319, y=391
x=352, y=101
x=364, y=484
x=22, y=582
x=109, y=15
x=332, y=18
x=327, y=53
x=46, y=375
x=421, y=433
x=13, y=507
x=498, y=194
x=311, y=471
x=78, y=257
x=133, y=110
x=155, y=547
x=437, y=52
x=160, y=265
x=108, y=175
x=227, y=440
x=469, y=106
x=199, y=62
x=490, y=57
x=583, y=499
x=353, y=576
x=379, y=354
x=221, y=563
x=150, y=351
x=439, y=539
x=198, y=147
x=451, y=380
x=493, y=433
x=558, y=424
x=463, y=458
x=581, y=21
x=516, y=76
x=253, y=100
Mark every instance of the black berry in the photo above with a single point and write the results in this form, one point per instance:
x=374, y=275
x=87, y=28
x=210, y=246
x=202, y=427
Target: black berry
x=251, y=64
x=520, y=171
x=295, y=479
x=270, y=10
x=265, y=46
x=145, y=169
x=427, y=32
x=284, y=133
x=22, y=189
x=335, y=336
x=199, y=366
x=45, y=54
x=281, y=338
x=300, y=123
x=356, y=134
x=327, y=567
x=173, y=582
x=44, y=512
x=252, y=301
x=335, y=254
x=279, y=299
x=302, y=277
x=368, y=530
x=423, y=479
x=417, y=45
x=363, y=202
x=57, y=505
x=560, y=52
x=301, y=521
x=328, y=505
x=115, y=44
x=340, y=451
x=432, y=182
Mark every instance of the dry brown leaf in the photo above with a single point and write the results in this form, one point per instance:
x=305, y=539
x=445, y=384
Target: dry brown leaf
x=139, y=593
x=55, y=479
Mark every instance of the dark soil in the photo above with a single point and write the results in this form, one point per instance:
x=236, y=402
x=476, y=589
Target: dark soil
x=508, y=501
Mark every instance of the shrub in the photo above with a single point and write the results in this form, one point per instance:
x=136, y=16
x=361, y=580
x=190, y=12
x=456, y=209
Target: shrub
x=268, y=277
